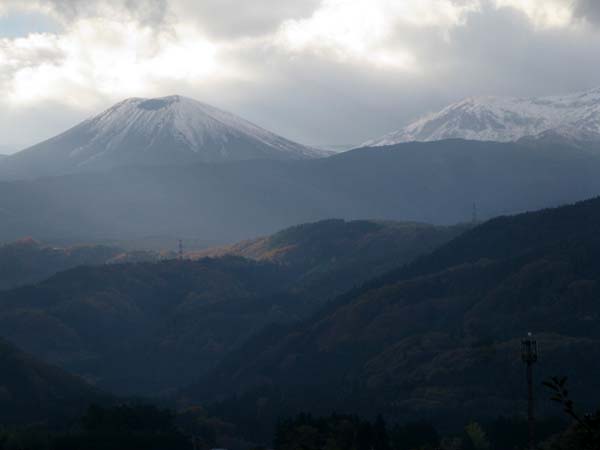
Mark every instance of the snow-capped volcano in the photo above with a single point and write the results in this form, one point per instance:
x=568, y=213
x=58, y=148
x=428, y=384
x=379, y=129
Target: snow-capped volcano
x=505, y=119
x=168, y=130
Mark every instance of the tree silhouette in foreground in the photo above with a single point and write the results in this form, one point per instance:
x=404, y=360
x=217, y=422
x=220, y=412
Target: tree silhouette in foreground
x=584, y=433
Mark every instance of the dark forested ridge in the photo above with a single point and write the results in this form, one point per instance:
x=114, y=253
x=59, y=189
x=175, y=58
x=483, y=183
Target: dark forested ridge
x=27, y=261
x=145, y=327
x=32, y=391
x=149, y=327
x=435, y=182
x=440, y=337
x=331, y=256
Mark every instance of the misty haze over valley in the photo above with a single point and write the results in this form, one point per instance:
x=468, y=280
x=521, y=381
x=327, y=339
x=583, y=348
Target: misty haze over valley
x=299, y=225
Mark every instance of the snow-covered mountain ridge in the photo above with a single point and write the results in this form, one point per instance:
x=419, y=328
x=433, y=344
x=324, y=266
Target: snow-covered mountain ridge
x=159, y=131
x=576, y=116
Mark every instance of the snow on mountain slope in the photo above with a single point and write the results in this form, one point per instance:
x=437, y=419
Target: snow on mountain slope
x=4, y=151
x=505, y=119
x=168, y=130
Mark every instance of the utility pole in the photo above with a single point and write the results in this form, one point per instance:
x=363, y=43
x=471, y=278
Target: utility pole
x=180, y=250
x=529, y=355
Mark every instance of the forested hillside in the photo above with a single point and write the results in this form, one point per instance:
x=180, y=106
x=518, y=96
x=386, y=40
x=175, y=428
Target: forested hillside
x=332, y=256
x=150, y=327
x=31, y=391
x=440, y=338
x=28, y=261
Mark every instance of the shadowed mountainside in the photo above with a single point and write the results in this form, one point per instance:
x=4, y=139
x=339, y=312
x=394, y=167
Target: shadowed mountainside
x=435, y=182
x=27, y=261
x=150, y=327
x=440, y=337
x=32, y=391
x=146, y=326
x=331, y=256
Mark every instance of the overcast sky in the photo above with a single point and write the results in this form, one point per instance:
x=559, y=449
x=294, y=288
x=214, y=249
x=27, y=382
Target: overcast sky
x=316, y=71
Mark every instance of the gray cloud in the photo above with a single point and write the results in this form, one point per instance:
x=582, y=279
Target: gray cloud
x=588, y=9
x=13, y=60
x=316, y=99
x=146, y=11
x=234, y=18
x=496, y=53
x=220, y=18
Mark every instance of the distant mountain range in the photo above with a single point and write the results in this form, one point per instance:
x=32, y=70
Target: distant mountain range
x=176, y=130
x=433, y=182
x=160, y=131
x=575, y=117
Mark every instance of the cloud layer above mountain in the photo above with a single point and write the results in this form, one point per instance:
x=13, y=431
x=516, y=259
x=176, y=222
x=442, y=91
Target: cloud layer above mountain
x=318, y=71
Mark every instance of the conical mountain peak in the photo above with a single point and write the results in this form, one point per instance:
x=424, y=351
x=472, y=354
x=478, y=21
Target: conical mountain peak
x=153, y=131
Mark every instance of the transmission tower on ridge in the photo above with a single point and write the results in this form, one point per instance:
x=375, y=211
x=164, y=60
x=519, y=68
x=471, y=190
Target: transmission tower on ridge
x=529, y=355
